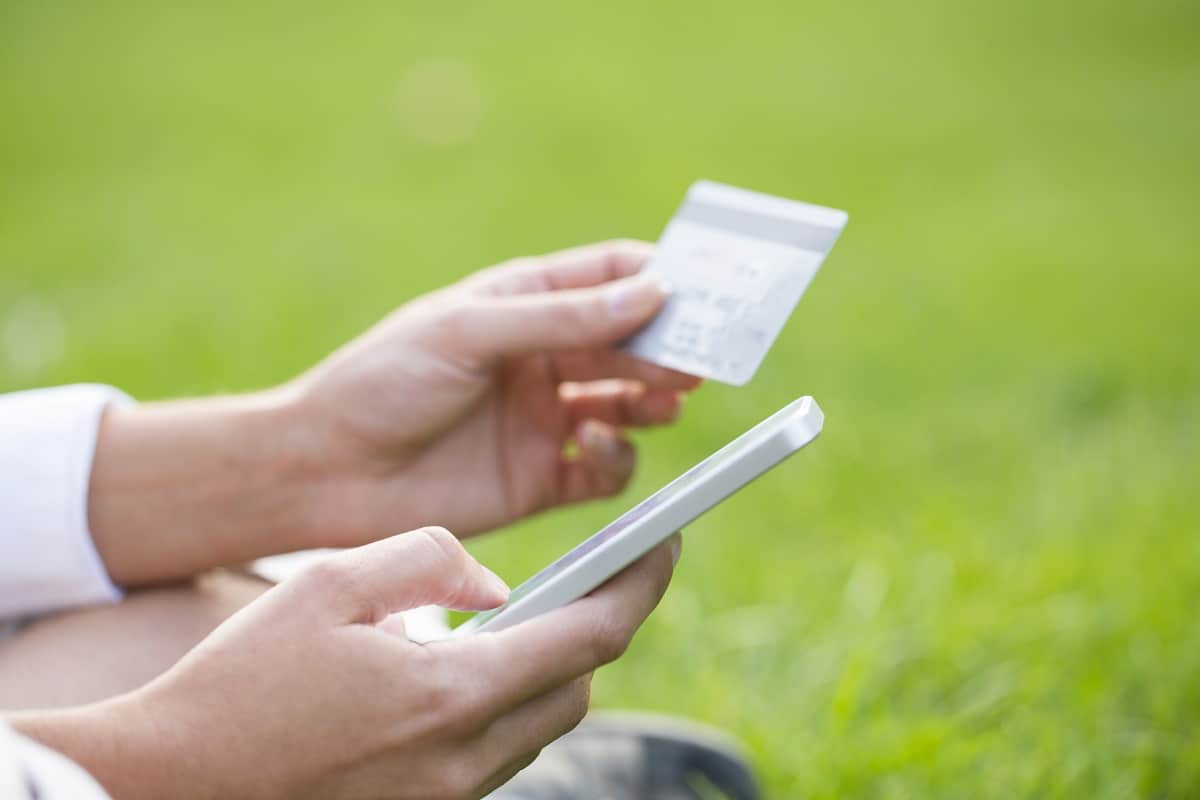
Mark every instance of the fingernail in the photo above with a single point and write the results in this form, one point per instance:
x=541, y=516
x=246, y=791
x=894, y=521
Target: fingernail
x=635, y=298
x=495, y=582
x=676, y=548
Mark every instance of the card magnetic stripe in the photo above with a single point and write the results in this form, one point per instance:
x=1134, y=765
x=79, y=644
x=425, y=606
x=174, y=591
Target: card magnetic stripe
x=755, y=224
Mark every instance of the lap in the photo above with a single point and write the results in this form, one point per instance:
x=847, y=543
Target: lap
x=85, y=655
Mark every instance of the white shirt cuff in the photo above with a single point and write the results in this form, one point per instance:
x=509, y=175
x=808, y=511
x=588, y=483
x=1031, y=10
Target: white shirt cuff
x=30, y=770
x=34, y=771
x=47, y=442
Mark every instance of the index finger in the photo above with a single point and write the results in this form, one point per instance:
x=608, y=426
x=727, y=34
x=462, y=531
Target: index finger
x=548, y=651
x=579, y=267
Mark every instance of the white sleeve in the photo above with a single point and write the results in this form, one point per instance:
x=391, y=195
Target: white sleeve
x=30, y=771
x=47, y=557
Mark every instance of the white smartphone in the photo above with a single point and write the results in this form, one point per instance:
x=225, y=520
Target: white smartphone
x=636, y=532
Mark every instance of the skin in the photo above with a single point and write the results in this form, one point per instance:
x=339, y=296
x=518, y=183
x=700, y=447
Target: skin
x=370, y=714
x=90, y=654
x=458, y=409
x=455, y=410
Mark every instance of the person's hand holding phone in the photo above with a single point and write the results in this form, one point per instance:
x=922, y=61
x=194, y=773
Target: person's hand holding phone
x=303, y=694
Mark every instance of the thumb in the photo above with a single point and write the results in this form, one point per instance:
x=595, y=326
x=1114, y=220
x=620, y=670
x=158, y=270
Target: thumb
x=567, y=319
x=427, y=566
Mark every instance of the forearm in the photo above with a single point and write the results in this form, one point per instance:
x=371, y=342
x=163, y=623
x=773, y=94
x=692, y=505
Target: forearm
x=116, y=742
x=180, y=487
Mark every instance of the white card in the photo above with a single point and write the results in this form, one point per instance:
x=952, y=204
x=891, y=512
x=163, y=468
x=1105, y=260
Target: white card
x=738, y=262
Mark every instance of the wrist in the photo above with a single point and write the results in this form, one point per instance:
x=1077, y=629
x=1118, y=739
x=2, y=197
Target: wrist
x=316, y=473
x=180, y=487
x=353, y=490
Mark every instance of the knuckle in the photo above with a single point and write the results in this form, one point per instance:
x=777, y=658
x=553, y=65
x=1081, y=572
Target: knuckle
x=456, y=314
x=466, y=712
x=442, y=550
x=512, y=276
x=447, y=559
x=580, y=699
x=624, y=250
x=451, y=323
x=664, y=569
x=443, y=545
x=609, y=639
x=654, y=572
x=522, y=265
x=576, y=316
x=457, y=706
x=438, y=693
x=330, y=576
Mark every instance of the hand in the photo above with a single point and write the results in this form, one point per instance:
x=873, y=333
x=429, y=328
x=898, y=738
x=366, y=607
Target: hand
x=457, y=408
x=302, y=694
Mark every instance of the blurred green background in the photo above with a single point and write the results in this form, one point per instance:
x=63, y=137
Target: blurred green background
x=982, y=581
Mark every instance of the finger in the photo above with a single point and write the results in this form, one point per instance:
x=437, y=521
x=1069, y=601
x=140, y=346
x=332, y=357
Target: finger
x=534, y=724
x=622, y=403
x=530, y=659
x=604, y=364
x=601, y=468
x=484, y=330
x=503, y=776
x=568, y=269
x=422, y=567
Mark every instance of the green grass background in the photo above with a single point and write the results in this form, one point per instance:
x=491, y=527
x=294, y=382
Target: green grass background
x=982, y=581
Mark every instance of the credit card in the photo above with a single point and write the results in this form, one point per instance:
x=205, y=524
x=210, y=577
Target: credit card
x=738, y=262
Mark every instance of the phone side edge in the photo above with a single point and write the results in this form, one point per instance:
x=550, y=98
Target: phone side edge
x=804, y=423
